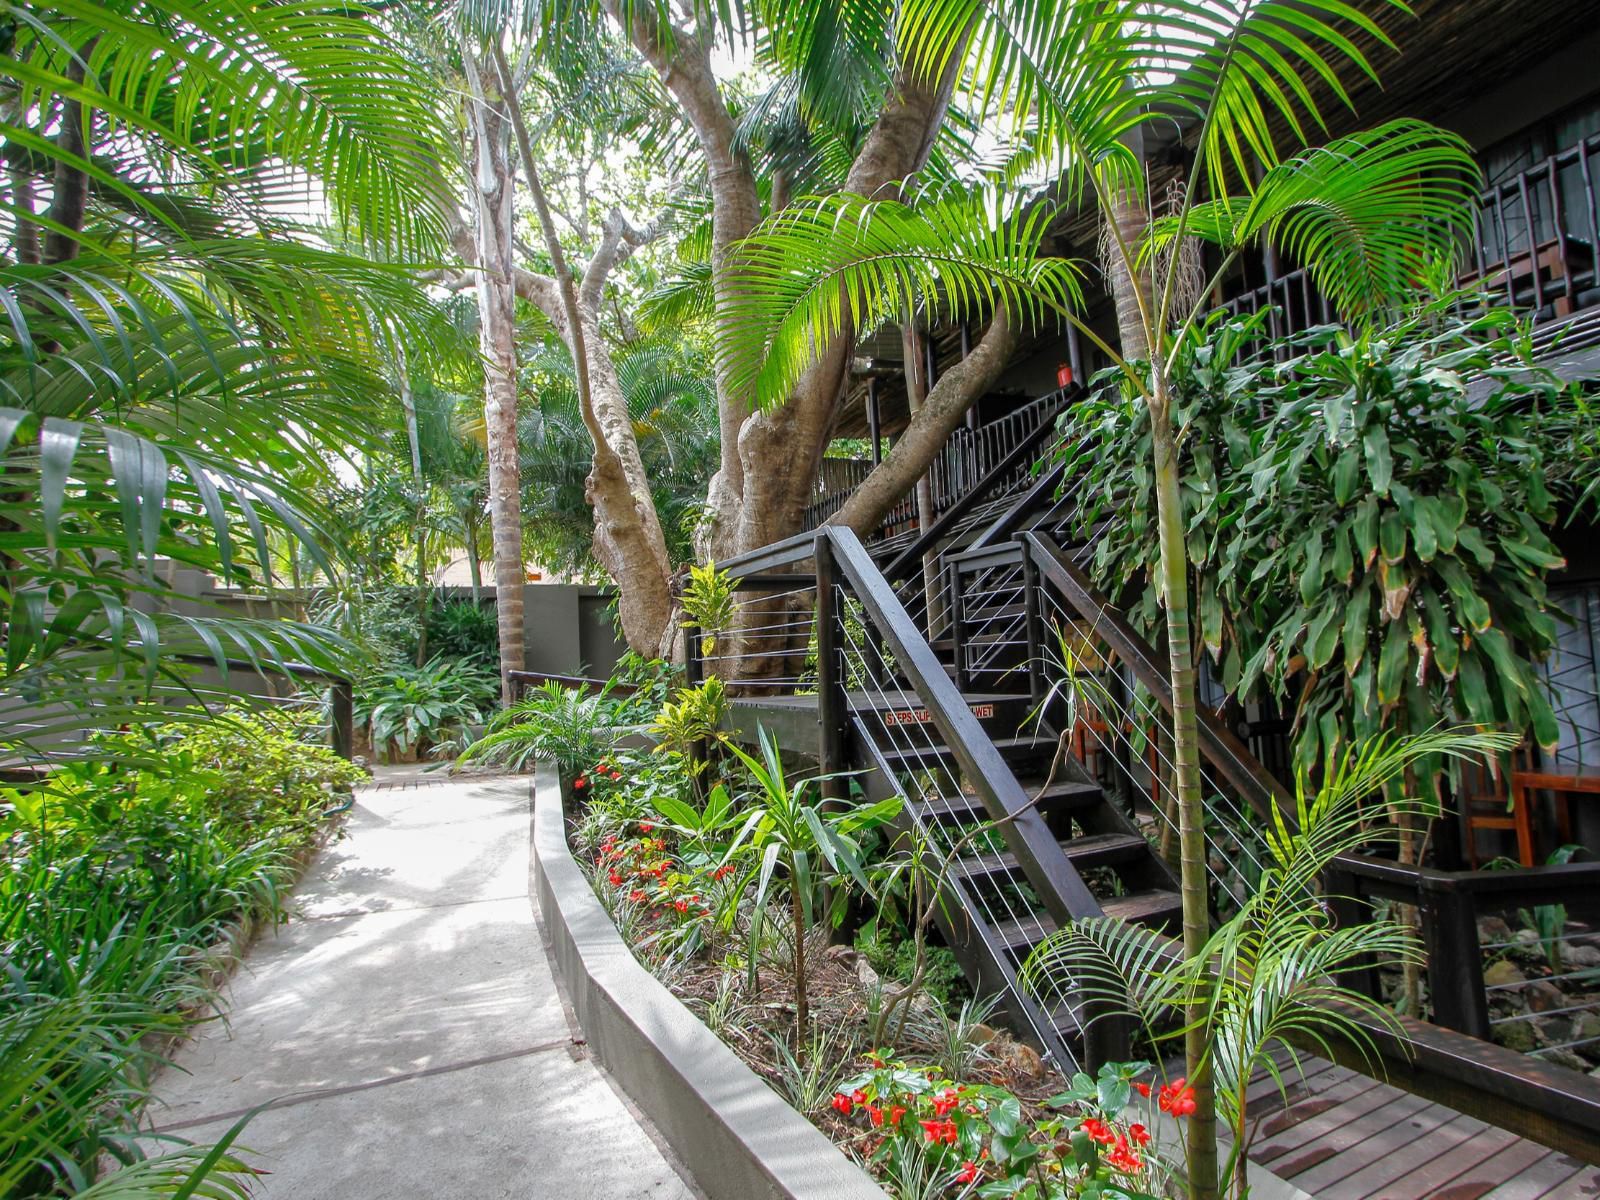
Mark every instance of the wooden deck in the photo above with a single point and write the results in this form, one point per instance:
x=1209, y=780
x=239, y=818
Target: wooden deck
x=1344, y=1136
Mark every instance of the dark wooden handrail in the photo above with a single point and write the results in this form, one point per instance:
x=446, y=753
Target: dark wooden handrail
x=1034, y=501
x=1025, y=829
x=787, y=553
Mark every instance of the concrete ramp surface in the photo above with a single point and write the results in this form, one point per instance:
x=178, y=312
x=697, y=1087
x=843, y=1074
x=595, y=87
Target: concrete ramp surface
x=406, y=1029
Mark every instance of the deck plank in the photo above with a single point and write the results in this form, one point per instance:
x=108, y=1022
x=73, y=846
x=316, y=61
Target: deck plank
x=1383, y=1133
x=1344, y=1136
x=1553, y=1177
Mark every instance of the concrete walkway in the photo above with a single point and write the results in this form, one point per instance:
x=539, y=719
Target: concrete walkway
x=407, y=1029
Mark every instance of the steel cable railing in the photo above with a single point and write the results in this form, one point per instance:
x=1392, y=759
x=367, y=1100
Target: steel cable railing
x=892, y=719
x=1124, y=723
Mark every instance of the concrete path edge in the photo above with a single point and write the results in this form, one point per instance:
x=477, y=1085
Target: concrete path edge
x=735, y=1135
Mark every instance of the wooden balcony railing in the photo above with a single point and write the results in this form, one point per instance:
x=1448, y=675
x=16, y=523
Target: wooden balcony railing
x=1532, y=246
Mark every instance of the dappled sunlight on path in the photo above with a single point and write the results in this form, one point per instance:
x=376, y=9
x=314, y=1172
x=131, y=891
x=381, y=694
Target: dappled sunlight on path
x=406, y=1029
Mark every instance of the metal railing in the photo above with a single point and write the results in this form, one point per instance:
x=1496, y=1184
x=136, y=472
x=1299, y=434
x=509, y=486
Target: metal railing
x=1533, y=245
x=966, y=461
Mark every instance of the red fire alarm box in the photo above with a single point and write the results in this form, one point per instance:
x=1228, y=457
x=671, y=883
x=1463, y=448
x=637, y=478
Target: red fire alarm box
x=1063, y=375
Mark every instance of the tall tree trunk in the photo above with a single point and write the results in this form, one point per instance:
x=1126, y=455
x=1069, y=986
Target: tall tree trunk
x=1201, y=1135
x=489, y=138
x=408, y=403
x=914, y=353
x=627, y=537
x=942, y=411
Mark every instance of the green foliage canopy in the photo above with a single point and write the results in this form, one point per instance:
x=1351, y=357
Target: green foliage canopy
x=1368, y=523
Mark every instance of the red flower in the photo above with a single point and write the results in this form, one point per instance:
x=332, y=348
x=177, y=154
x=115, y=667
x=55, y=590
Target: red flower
x=637, y=896
x=1177, y=1098
x=859, y=1096
x=723, y=871
x=943, y=1104
x=968, y=1172
x=940, y=1131
x=579, y=783
x=616, y=879
x=1122, y=1158
x=1143, y=1089
x=1098, y=1131
x=896, y=1111
x=646, y=826
x=1139, y=1134
x=842, y=1104
x=875, y=1114
x=681, y=905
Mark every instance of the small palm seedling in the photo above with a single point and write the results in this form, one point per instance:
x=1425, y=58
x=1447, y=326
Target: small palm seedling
x=570, y=725
x=814, y=848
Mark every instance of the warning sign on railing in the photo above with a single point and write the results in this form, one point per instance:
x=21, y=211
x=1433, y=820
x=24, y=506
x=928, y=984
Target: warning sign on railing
x=921, y=716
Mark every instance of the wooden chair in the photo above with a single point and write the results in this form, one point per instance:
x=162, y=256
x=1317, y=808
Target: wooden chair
x=1488, y=802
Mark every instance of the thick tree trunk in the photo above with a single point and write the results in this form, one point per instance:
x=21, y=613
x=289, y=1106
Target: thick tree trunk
x=1201, y=1134
x=947, y=403
x=489, y=138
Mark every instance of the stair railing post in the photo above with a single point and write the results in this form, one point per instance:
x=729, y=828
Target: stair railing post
x=832, y=704
x=1034, y=624
x=1455, y=961
x=341, y=718
x=958, y=627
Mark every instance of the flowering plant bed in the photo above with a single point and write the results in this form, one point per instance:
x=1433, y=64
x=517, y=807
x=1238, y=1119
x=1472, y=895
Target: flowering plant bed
x=934, y=1102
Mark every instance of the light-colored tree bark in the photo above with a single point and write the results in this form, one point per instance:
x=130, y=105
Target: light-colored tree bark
x=490, y=191
x=770, y=459
x=627, y=537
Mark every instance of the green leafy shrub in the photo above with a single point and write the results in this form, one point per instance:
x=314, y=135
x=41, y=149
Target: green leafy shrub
x=893, y=955
x=464, y=629
x=1374, y=553
x=118, y=877
x=570, y=725
x=406, y=710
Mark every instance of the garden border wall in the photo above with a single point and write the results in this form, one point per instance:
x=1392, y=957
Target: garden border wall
x=738, y=1137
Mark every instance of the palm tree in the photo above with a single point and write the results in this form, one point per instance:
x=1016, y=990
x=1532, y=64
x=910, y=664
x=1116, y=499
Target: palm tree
x=183, y=358
x=1076, y=83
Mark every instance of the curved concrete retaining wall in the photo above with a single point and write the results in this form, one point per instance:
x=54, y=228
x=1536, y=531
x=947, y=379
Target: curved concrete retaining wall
x=734, y=1133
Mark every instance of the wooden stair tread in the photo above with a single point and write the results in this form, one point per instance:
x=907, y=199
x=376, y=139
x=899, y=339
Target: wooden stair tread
x=971, y=807
x=1097, y=849
x=1135, y=907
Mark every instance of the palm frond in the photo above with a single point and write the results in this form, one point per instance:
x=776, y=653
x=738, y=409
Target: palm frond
x=1367, y=214
x=841, y=263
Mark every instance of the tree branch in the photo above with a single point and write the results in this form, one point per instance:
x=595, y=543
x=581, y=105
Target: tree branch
x=930, y=428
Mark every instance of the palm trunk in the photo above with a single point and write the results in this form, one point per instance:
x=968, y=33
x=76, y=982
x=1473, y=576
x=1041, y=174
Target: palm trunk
x=489, y=134
x=409, y=404
x=1201, y=1136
